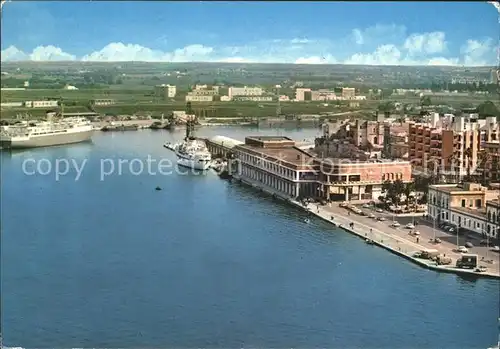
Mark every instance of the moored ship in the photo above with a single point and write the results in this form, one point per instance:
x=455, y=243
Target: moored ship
x=192, y=152
x=36, y=134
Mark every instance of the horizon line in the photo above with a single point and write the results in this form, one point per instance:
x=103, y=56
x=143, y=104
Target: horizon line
x=257, y=63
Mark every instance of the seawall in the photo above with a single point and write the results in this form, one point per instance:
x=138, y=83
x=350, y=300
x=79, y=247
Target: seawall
x=431, y=265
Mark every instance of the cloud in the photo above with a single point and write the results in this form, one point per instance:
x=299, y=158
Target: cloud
x=358, y=36
x=40, y=53
x=379, y=34
x=50, y=53
x=12, y=53
x=427, y=43
x=328, y=59
x=384, y=55
x=376, y=45
x=120, y=52
x=478, y=52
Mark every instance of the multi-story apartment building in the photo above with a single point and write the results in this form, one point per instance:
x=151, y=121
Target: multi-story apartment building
x=364, y=132
x=490, y=161
x=348, y=93
x=300, y=94
x=244, y=91
x=165, y=91
x=463, y=205
x=452, y=144
x=323, y=95
x=396, y=141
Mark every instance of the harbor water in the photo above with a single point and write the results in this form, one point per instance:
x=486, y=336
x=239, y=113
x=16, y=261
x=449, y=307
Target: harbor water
x=108, y=261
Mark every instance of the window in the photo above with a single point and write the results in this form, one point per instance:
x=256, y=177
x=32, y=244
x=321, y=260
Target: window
x=463, y=202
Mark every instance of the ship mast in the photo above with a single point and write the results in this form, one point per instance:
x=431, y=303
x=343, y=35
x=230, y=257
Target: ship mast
x=189, y=121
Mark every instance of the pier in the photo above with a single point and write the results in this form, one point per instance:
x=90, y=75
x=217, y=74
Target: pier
x=221, y=146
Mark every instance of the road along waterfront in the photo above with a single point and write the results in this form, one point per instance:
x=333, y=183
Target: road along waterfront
x=389, y=238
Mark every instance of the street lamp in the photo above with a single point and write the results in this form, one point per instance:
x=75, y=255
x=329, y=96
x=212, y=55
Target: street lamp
x=458, y=230
x=434, y=226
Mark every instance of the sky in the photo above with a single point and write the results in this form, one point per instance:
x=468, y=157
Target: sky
x=302, y=32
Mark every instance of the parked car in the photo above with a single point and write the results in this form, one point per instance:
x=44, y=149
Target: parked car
x=395, y=224
x=371, y=215
x=381, y=219
x=469, y=244
x=379, y=210
x=496, y=249
x=409, y=226
x=462, y=249
x=485, y=243
x=366, y=206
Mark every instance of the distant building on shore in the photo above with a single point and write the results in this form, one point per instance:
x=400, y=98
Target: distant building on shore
x=103, y=102
x=244, y=91
x=165, y=92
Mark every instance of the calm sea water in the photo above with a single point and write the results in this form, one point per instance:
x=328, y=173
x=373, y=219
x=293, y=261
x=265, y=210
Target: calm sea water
x=206, y=263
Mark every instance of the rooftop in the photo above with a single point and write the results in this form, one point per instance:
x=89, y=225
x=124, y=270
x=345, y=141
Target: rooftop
x=495, y=203
x=270, y=138
x=478, y=212
x=462, y=188
x=292, y=155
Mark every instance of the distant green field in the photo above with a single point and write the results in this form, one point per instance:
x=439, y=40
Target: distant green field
x=207, y=110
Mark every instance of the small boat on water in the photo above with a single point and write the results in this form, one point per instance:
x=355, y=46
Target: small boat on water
x=122, y=127
x=307, y=220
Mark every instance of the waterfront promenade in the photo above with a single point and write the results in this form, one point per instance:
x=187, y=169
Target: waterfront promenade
x=395, y=240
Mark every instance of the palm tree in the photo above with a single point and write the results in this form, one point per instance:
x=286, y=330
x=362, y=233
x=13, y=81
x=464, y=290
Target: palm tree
x=409, y=188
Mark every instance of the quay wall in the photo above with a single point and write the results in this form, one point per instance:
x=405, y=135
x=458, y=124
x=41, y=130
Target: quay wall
x=421, y=262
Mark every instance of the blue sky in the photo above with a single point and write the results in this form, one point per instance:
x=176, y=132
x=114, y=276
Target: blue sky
x=427, y=33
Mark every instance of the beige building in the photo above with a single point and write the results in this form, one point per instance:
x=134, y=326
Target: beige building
x=452, y=144
x=493, y=218
x=348, y=93
x=41, y=104
x=300, y=94
x=244, y=91
x=463, y=205
x=200, y=92
x=490, y=164
x=191, y=98
x=253, y=98
x=165, y=91
x=103, y=102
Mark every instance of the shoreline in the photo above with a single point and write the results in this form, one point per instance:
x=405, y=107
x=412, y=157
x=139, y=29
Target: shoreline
x=343, y=223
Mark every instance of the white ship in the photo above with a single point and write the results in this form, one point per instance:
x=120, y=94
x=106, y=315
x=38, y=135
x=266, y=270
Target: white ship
x=46, y=133
x=192, y=152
